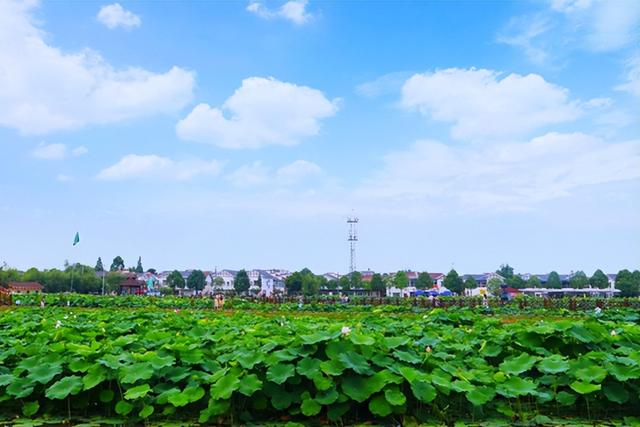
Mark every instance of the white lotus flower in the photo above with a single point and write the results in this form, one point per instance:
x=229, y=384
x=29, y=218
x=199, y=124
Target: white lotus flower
x=614, y=333
x=598, y=310
x=58, y=324
x=345, y=330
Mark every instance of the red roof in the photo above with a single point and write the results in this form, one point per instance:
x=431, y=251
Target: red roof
x=512, y=291
x=436, y=276
x=31, y=286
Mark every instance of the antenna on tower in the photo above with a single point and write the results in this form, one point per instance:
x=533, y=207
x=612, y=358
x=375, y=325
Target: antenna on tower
x=352, y=239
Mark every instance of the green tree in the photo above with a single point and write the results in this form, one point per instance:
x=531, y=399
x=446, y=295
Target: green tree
x=505, y=271
x=377, y=284
x=241, y=284
x=453, y=282
x=196, y=280
x=332, y=284
x=139, y=268
x=293, y=283
x=470, y=283
x=628, y=283
x=99, y=266
x=494, y=286
x=424, y=281
x=310, y=284
x=113, y=281
x=553, y=281
x=218, y=283
x=516, y=281
x=579, y=280
x=533, y=282
x=117, y=264
x=33, y=275
x=175, y=280
x=345, y=283
x=401, y=280
x=259, y=282
x=356, y=280
x=599, y=280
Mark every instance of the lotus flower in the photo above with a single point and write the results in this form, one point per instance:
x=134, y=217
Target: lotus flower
x=58, y=324
x=345, y=330
x=614, y=333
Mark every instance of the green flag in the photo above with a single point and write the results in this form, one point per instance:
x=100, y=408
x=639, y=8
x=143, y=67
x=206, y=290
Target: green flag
x=76, y=239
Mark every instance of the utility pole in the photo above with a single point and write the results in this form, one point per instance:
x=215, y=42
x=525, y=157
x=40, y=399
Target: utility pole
x=352, y=239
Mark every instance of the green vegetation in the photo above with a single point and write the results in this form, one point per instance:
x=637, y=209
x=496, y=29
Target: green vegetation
x=149, y=364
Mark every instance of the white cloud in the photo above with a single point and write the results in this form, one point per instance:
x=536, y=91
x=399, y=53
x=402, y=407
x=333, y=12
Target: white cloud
x=45, y=89
x=80, y=151
x=114, y=16
x=50, y=151
x=509, y=176
x=294, y=11
x=263, y=111
x=632, y=84
x=482, y=105
x=522, y=32
x=252, y=175
x=606, y=25
x=153, y=167
x=297, y=173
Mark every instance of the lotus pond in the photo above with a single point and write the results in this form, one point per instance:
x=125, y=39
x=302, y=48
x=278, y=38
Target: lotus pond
x=149, y=365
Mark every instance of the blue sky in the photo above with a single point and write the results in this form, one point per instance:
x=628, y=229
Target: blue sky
x=243, y=133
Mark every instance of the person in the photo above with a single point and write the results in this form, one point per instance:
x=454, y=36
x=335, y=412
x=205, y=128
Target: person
x=485, y=301
x=42, y=303
x=300, y=302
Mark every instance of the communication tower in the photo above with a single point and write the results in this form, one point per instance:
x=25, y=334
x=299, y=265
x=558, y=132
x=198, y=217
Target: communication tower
x=352, y=221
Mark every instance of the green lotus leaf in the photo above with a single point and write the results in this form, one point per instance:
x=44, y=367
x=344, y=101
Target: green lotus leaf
x=30, y=408
x=215, y=407
x=80, y=365
x=480, y=395
x=64, y=387
x=394, y=396
x=519, y=364
x=361, y=339
x=423, y=391
x=553, y=364
x=336, y=411
x=281, y=399
x=393, y=342
x=332, y=367
x=593, y=373
x=280, y=372
x=95, y=375
x=615, y=392
x=45, y=372
x=582, y=334
x=137, y=392
x=322, y=382
x=623, y=372
x=309, y=367
x=20, y=387
x=123, y=408
x=380, y=406
x=407, y=356
x=462, y=386
x=158, y=362
x=356, y=362
x=584, y=387
x=6, y=379
x=360, y=388
x=225, y=386
x=136, y=372
x=249, y=384
x=317, y=337
x=146, y=411
x=249, y=359
x=327, y=397
x=516, y=386
x=310, y=407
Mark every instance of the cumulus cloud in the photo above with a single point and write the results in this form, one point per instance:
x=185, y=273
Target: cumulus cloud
x=154, y=167
x=606, y=25
x=294, y=11
x=56, y=151
x=45, y=89
x=484, y=104
x=523, y=32
x=114, y=16
x=299, y=172
x=506, y=176
x=263, y=111
x=632, y=85
x=50, y=151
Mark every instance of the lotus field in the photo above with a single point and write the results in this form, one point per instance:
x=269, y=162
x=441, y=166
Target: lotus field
x=241, y=366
